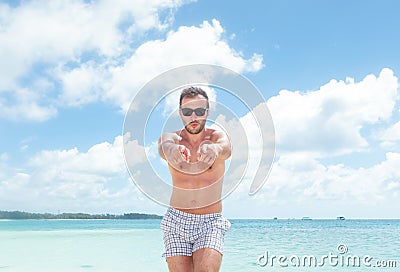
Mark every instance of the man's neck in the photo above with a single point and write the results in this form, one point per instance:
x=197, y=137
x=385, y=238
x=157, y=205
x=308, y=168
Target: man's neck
x=194, y=139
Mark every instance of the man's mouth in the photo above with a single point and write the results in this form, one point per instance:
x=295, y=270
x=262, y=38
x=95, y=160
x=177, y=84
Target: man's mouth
x=194, y=124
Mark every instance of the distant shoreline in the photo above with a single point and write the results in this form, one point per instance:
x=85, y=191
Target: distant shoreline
x=19, y=215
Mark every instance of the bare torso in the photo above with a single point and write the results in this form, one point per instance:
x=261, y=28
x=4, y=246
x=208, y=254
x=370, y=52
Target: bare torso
x=197, y=186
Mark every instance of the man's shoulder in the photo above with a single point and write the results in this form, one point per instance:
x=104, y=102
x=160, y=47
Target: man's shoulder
x=212, y=131
x=174, y=136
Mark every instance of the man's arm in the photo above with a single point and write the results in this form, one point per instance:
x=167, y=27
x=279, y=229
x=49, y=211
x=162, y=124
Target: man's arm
x=222, y=143
x=219, y=147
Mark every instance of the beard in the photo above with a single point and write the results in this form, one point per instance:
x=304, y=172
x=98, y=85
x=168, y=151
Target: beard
x=196, y=130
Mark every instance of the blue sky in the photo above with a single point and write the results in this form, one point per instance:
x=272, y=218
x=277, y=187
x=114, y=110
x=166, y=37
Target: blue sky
x=328, y=70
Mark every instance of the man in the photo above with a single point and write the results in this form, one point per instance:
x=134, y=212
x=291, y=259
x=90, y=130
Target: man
x=193, y=226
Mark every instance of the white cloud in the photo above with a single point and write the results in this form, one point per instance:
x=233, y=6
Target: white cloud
x=187, y=45
x=57, y=30
x=300, y=186
x=100, y=161
x=36, y=37
x=25, y=104
x=84, y=52
x=339, y=118
x=340, y=182
x=392, y=133
x=70, y=180
x=81, y=85
x=330, y=120
x=134, y=152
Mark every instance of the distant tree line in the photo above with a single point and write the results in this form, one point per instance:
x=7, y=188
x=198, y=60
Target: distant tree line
x=27, y=215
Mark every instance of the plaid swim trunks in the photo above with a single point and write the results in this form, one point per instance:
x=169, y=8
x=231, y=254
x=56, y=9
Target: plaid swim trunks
x=184, y=233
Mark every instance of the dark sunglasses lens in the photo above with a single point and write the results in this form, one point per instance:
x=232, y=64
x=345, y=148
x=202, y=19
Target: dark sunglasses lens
x=200, y=111
x=187, y=112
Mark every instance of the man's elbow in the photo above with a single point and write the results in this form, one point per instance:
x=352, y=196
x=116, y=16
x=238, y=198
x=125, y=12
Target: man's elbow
x=161, y=151
x=226, y=153
x=229, y=153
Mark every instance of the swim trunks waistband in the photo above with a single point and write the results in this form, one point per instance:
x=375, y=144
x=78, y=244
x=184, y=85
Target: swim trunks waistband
x=193, y=215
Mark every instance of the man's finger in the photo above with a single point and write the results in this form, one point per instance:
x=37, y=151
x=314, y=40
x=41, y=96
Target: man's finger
x=185, y=153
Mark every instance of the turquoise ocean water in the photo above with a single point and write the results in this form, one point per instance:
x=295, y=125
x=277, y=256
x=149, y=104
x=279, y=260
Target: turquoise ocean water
x=250, y=245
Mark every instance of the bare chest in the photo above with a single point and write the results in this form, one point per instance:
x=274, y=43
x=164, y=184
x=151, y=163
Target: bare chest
x=183, y=176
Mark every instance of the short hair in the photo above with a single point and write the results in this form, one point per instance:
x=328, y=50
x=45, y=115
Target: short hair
x=192, y=92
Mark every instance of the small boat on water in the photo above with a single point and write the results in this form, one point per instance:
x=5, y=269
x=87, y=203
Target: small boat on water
x=306, y=218
x=340, y=218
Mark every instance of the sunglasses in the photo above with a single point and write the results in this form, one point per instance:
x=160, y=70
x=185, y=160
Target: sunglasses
x=189, y=111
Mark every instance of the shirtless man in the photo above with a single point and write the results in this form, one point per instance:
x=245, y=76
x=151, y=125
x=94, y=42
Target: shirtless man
x=193, y=226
